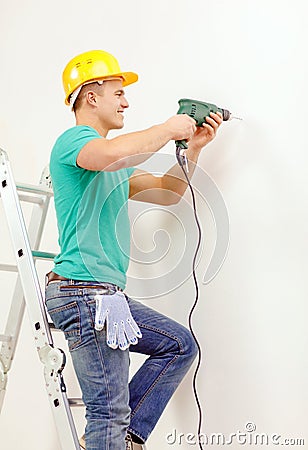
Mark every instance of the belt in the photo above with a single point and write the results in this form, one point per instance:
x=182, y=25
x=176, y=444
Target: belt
x=52, y=276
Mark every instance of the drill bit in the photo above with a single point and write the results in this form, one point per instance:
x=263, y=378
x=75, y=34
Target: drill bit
x=235, y=117
x=227, y=115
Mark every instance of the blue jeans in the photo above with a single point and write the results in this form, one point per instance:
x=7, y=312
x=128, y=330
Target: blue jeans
x=113, y=404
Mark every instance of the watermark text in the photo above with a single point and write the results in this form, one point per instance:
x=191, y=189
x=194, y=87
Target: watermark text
x=247, y=436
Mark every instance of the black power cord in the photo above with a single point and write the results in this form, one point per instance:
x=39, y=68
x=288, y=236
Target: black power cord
x=182, y=160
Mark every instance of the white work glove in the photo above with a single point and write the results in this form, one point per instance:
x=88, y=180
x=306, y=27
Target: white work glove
x=113, y=310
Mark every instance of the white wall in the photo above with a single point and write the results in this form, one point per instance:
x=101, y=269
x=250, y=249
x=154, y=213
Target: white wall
x=251, y=57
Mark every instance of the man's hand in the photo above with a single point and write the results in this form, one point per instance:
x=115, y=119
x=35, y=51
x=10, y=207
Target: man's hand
x=181, y=126
x=133, y=148
x=205, y=134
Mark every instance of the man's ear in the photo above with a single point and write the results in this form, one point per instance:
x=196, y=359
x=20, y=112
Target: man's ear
x=91, y=98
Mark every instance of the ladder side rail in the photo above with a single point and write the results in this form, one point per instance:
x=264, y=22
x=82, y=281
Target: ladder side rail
x=16, y=313
x=32, y=292
x=23, y=256
x=63, y=416
x=35, y=232
x=56, y=389
x=12, y=330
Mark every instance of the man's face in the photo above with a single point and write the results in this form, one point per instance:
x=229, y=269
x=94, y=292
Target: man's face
x=111, y=105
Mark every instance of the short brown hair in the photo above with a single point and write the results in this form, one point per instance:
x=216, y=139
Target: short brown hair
x=95, y=87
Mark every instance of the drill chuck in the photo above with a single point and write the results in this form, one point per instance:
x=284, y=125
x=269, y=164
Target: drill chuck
x=226, y=115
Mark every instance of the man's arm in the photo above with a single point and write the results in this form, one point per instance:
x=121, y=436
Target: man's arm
x=169, y=188
x=130, y=149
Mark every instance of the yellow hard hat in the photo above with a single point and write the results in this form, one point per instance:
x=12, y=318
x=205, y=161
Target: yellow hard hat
x=92, y=65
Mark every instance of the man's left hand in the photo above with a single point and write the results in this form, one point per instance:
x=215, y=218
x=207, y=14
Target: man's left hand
x=206, y=132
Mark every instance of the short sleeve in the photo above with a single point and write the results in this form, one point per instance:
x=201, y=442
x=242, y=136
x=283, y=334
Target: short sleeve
x=69, y=144
x=130, y=171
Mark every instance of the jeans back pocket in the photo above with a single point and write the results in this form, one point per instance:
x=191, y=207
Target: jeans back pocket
x=67, y=318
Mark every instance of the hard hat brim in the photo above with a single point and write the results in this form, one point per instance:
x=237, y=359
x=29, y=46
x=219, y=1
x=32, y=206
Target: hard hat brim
x=127, y=77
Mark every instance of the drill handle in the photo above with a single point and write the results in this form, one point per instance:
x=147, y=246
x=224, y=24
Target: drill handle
x=181, y=144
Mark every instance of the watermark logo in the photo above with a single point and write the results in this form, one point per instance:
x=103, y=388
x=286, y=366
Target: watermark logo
x=163, y=238
x=247, y=436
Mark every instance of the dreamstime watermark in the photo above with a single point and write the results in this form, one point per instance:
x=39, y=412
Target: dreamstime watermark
x=163, y=238
x=247, y=436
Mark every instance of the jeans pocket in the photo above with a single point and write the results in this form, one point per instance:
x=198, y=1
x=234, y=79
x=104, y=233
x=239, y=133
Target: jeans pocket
x=67, y=319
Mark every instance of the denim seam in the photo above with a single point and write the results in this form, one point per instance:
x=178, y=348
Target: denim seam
x=63, y=294
x=136, y=433
x=164, y=333
x=62, y=308
x=150, y=389
x=89, y=303
x=106, y=381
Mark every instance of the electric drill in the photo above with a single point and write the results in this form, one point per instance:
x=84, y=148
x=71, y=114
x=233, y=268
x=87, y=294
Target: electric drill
x=199, y=111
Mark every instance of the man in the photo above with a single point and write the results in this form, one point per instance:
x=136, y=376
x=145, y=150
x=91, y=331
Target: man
x=93, y=177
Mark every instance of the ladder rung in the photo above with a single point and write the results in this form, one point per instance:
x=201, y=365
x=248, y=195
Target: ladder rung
x=74, y=402
x=34, y=189
x=4, y=338
x=43, y=255
x=53, y=327
x=31, y=199
x=8, y=268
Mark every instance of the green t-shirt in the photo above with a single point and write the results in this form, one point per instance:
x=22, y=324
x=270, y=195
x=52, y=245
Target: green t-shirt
x=92, y=213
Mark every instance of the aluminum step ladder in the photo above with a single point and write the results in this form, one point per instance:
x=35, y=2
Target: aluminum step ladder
x=28, y=294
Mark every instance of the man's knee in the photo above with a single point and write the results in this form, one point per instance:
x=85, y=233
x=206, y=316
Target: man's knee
x=188, y=345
